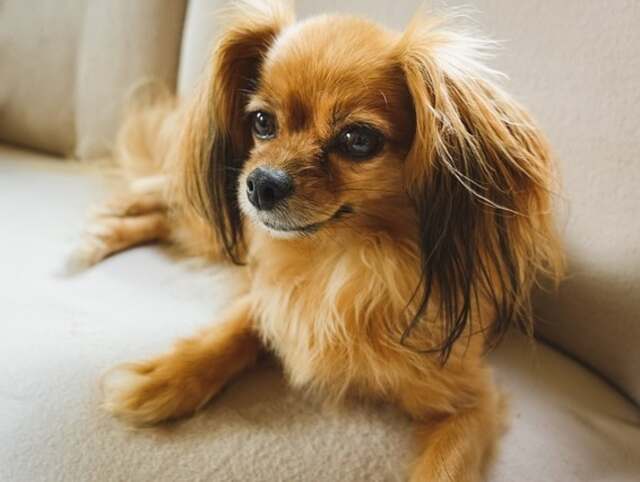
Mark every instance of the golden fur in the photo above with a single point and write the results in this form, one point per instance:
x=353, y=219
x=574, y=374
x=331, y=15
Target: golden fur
x=396, y=298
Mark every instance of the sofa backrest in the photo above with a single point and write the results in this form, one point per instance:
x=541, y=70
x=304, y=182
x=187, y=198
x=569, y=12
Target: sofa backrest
x=66, y=67
x=200, y=29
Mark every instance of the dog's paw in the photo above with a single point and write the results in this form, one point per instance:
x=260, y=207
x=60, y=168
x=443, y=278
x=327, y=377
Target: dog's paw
x=121, y=223
x=150, y=392
x=96, y=244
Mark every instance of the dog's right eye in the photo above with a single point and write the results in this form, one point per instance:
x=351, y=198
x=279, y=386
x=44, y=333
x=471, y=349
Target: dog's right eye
x=264, y=125
x=360, y=141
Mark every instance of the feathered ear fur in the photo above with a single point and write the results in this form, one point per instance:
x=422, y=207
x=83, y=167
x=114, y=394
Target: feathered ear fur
x=216, y=139
x=481, y=176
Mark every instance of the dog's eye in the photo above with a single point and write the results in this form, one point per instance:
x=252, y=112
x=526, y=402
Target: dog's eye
x=264, y=125
x=359, y=141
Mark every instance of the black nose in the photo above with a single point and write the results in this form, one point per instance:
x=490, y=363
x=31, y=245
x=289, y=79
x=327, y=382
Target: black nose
x=265, y=187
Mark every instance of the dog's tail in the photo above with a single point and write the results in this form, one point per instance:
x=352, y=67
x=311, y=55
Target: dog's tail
x=146, y=142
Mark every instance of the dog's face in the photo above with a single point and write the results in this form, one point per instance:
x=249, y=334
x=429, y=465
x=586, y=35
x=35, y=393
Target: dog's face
x=331, y=121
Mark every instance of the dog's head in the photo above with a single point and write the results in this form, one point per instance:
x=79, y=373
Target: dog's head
x=331, y=120
x=337, y=125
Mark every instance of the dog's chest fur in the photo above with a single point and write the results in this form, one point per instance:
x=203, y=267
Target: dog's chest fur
x=331, y=311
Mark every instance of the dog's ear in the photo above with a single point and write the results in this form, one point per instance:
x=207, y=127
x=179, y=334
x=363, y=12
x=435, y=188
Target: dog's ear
x=215, y=138
x=481, y=176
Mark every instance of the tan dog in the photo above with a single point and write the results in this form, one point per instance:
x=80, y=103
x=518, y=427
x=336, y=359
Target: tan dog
x=391, y=205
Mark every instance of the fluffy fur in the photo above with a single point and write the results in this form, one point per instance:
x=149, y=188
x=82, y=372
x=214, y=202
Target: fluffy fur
x=418, y=257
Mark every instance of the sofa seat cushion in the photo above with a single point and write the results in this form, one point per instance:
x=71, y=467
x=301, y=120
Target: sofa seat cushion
x=59, y=334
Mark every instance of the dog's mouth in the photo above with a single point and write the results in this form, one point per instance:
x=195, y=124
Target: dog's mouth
x=307, y=228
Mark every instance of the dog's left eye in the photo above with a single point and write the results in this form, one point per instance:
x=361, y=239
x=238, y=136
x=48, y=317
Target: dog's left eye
x=264, y=125
x=359, y=141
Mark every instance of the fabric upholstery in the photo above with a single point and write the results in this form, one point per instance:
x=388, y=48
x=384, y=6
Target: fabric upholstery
x=201, y=25
x=63, y=81
x=67, y=66
x=575, y=65
x=60, y=334
x=38, y=57
x=123, y=43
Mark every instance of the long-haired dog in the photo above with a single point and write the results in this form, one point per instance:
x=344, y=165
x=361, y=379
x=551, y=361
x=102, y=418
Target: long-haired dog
x=390, y=205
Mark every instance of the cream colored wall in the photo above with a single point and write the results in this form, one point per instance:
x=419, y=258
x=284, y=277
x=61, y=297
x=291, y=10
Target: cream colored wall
x=576, y=65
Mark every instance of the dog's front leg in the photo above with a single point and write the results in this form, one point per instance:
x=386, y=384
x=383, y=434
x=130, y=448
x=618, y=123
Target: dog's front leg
x=180, y=382
x=458, y=447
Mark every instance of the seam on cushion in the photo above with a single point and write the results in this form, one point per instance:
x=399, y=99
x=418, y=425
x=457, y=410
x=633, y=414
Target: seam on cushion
x=591, y=368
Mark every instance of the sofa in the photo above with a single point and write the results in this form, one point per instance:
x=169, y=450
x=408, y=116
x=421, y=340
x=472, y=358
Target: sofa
x=66, y=67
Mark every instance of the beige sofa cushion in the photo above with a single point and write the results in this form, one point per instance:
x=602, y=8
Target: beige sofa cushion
x=38, y=57
x=123, y=43
x=67, y=65
x=59, y=334
x=576, y=65
x=201, y=25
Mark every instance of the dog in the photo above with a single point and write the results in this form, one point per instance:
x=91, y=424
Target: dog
x=390, y=206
